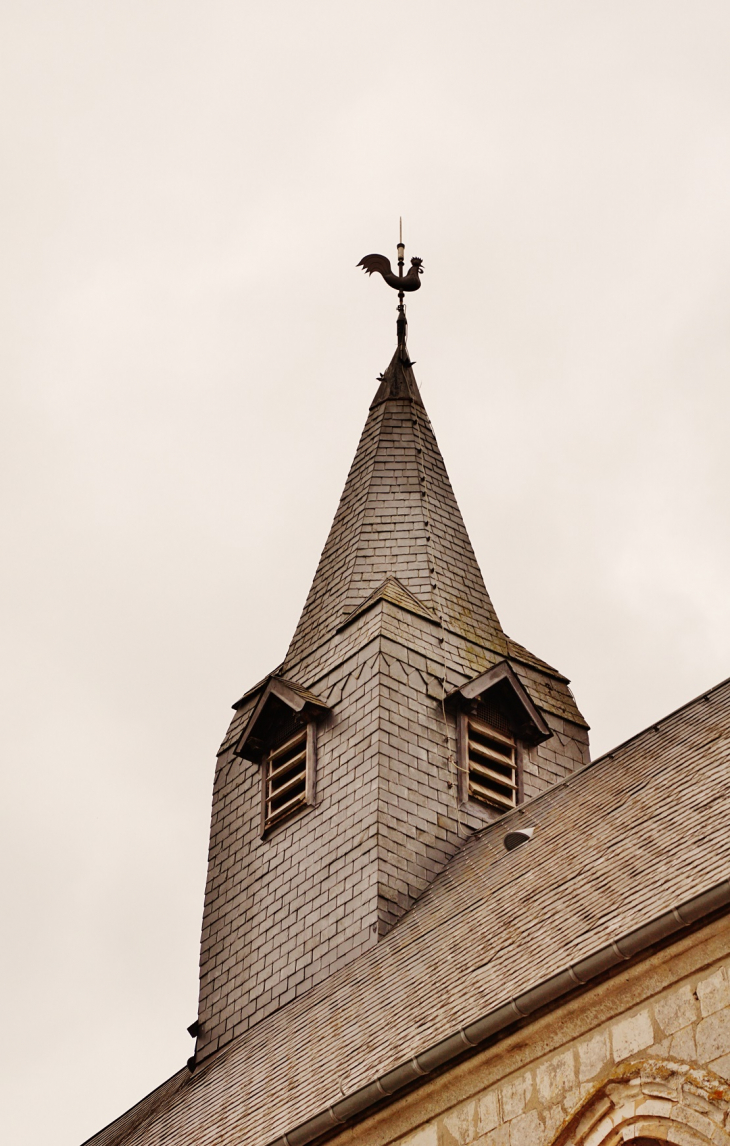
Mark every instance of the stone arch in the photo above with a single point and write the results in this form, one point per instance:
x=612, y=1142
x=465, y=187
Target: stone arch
x=653, y=1101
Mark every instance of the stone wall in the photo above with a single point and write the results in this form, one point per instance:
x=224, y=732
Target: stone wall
x=644, y=1055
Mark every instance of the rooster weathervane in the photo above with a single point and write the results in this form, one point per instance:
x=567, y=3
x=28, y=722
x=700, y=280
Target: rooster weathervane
x=400, y=282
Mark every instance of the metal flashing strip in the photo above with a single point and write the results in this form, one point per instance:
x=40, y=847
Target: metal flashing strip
x=501, y=1018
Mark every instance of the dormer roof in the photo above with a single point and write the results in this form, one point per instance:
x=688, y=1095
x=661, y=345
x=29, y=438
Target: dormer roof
x=503, y=680
x=275, y=690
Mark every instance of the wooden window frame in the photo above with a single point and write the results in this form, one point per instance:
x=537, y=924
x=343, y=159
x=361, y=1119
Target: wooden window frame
x=308, y=735
x=466, y=795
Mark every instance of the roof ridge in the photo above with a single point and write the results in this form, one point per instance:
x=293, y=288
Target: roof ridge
x=654, y=726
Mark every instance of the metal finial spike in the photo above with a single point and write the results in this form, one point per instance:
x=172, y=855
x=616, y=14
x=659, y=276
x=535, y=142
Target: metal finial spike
x=401, y=327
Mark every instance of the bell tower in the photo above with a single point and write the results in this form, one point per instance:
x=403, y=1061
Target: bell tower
x=401, y=720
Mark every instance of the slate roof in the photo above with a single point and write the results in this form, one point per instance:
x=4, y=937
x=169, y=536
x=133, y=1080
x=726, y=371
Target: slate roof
x=306, y=694
x=639, y=830
x=397, y=517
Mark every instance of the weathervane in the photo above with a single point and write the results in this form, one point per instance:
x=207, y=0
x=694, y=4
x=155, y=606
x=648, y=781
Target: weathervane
x=400, y=282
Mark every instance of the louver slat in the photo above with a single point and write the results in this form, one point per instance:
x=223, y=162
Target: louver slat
x=491, y=765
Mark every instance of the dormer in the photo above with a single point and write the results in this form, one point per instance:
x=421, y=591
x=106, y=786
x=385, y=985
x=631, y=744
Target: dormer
x=281, y=738
x=497, y=725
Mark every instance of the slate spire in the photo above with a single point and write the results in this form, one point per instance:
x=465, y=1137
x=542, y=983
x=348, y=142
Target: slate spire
x=398, y=518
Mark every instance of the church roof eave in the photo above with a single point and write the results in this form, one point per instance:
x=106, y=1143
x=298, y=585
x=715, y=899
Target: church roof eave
x=630, y=900
x=501, y=1019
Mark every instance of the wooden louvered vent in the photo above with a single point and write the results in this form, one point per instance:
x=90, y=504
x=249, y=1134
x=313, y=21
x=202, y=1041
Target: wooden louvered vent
x=285, y=779
x=491, y=764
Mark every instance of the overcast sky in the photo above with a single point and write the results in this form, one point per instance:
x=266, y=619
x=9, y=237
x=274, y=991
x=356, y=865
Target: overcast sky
x=189, y=357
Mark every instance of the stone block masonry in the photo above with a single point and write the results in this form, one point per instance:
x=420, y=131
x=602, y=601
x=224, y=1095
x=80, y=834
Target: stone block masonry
x=644, y=1055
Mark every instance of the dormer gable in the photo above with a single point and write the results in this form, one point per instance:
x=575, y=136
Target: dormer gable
x=281, y=707
x=497, y=725
x=281, y=737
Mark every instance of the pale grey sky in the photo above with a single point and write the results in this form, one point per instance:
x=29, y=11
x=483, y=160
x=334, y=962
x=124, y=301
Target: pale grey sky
x=189, y=357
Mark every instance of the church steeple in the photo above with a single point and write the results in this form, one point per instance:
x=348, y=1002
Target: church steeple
x=401, y=719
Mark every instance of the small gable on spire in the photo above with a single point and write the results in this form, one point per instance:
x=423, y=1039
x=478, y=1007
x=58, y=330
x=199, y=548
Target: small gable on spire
x=394, y=591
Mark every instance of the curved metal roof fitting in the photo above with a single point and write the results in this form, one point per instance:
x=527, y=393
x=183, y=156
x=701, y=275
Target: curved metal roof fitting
x=516, y=837
x=503, y=1017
